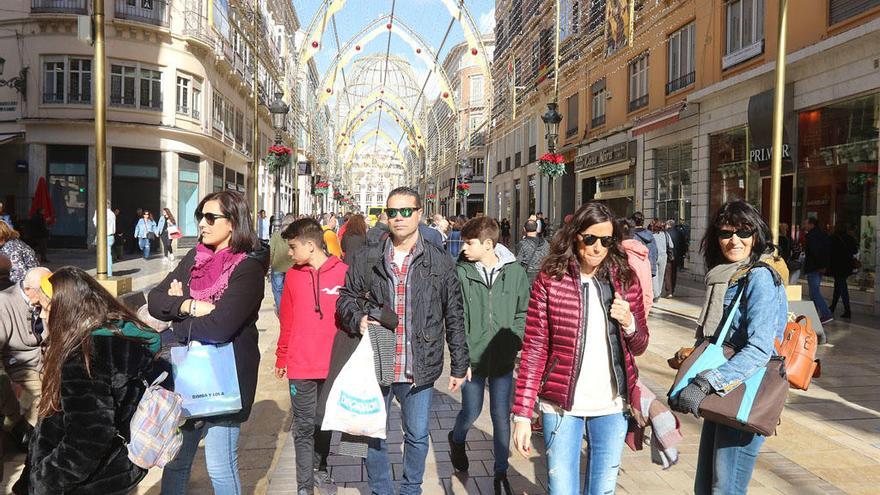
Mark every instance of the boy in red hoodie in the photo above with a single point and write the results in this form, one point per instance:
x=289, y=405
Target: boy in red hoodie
x=308, y=326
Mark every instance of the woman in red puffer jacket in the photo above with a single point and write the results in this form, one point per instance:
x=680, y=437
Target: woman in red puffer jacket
x=585, y=324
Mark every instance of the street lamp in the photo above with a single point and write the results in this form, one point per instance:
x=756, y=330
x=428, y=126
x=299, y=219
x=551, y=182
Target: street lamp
x=19, y=82
x=279, y=110
x=551, y=119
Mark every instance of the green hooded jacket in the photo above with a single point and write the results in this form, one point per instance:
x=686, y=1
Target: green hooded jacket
x=495, y=314
x=151, y=339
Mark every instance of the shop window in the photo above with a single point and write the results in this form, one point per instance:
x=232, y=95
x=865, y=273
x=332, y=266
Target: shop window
x=680, y=49
x=68, y=190
x=672, y=178
x=744, y=31
x=837, y=172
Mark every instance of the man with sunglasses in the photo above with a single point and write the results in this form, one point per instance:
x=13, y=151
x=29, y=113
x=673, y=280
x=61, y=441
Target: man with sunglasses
x=405, y=291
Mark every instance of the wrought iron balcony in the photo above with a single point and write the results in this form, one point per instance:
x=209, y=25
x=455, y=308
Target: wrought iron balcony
x=637, y=103
x=147, y=11
x=680, y=83
x=59, y=6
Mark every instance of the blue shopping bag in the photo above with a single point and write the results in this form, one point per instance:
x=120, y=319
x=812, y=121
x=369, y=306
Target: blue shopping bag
x=206, y=377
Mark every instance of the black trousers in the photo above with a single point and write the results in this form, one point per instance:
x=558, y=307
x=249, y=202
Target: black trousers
x=311, y=444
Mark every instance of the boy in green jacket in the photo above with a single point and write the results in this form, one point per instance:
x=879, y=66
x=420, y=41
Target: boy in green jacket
x=495, y=290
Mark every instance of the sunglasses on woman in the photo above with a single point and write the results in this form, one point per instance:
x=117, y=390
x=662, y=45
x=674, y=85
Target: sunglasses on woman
x=404, y=212
x=741, y=233
x=590, y=239
x=209, y=217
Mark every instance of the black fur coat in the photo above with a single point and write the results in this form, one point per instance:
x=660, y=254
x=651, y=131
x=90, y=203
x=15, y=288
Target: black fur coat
x=80, y=449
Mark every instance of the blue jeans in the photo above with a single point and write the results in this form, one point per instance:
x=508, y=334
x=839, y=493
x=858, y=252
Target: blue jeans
x=415, y=404
x=813, y=280
x=605, y=439
x=110, y=239
x=277, y=288
x=144, y=244
x=472, y=393
x=726, y=459
x=221, y=457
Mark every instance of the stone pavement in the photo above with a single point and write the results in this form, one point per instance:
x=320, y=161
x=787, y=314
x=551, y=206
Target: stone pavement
x=828, y=442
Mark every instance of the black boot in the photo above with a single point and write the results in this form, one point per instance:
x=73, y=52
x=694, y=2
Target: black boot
x=502, y=486
x=846, y=313
x=458, y=455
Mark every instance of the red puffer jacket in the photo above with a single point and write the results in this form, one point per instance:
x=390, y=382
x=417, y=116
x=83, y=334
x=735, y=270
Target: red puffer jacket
x=551, y=349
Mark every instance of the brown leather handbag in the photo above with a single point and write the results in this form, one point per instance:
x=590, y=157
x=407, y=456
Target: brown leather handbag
x=798, y=347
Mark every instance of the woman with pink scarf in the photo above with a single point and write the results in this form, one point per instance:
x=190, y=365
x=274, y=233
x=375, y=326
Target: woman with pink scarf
x=214, y=296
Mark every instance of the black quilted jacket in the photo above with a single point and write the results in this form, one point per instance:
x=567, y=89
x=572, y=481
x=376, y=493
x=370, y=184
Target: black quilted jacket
x=434, y=306
x=79, y=450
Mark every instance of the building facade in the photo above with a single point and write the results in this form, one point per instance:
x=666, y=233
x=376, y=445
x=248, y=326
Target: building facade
x=678, y=119
x=180, y=106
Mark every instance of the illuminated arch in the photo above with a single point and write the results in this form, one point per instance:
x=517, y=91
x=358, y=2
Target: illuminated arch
x=388, y=101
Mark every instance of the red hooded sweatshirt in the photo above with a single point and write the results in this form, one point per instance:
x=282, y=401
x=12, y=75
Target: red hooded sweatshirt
x=308, y=319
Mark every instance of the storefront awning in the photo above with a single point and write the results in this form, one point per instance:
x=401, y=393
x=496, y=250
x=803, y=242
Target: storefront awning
x=660, y=118
x=10, y=136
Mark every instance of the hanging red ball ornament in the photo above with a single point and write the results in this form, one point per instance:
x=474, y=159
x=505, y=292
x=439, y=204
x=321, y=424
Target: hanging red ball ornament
x=445, y=95
x=357, y=47
x=474, y=51
x=315, y=44
x=388, y=26
x=418, y=50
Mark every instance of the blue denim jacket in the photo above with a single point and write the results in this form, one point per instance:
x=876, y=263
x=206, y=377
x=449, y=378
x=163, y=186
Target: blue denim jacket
x=759, y=319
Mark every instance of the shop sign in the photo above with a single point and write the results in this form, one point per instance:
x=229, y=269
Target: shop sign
x=761, y=127
x=612, y=154
x=766, y=154
x=8, y=106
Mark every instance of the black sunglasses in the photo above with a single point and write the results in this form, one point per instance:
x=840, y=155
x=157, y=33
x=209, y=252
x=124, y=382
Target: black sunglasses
x=590, y=239
x=741, y=233
x=404, y=212
x=209, y=217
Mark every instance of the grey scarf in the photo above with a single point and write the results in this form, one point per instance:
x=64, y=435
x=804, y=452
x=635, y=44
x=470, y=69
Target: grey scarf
x=717, y=281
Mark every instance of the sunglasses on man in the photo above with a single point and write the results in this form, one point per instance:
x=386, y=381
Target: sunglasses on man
x=741, y=233
x=210, y=218
x=404, y=212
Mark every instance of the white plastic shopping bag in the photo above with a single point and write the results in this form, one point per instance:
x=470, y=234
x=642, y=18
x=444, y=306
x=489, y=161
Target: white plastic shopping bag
x=355, y=404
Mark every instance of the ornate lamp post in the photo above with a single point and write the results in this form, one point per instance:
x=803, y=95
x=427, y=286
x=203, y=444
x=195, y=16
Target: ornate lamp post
x=551, y=119
x=279, y=110
x=19, y=83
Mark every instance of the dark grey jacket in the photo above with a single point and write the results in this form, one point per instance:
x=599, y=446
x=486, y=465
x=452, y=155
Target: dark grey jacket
x=434, y=306
x=532, y=251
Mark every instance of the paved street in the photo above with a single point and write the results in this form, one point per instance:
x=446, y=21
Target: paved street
x=829, y=440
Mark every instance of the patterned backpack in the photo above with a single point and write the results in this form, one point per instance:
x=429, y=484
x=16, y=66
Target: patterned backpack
x=155, y=435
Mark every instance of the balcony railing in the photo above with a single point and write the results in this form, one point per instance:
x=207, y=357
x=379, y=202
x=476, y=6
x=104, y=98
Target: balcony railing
x=682, y=82
x=637, y=103
x=571, y=132
x=61, y=6
x=147, y=11
x=597, y=121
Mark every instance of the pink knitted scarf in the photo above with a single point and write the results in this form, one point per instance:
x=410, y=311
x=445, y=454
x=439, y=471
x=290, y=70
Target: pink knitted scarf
x=209, y=276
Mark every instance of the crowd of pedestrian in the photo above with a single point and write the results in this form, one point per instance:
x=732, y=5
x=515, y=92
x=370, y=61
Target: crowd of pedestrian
x=554, y=331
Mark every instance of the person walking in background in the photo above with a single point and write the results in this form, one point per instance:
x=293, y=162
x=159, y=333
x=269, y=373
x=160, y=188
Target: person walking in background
x=638, y=260
x=145, y=233
x=406, y=292
x=22, y=257
x=118, y=237
x=264, y=225
x=817, y=259
x=844, y=248
x=585, y=325
x=495, y=291
x=331, y=240
x=542, y=225
x=640, y=233
x=308, y=327
x=661, y=241
x=736, y=239
x=39, y=234
x=215, y=294
x=167, y=226
x=374, y=235
x=279, y=260
x=111, y=235
x=532, y=251
x=99, y=356
x=454, y=241
x=676, y=258
x=505, y=232
x=355, y=235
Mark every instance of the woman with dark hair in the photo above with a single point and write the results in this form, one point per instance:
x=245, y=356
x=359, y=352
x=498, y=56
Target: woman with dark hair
x=585, y=325
x=167, y=222
x=145, y=232
x=454, y=241
x=214, y=295
x=735, y=246
x=97, y=357
x=355, y=235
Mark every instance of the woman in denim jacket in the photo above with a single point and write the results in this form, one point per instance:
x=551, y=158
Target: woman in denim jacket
x=734, y=241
